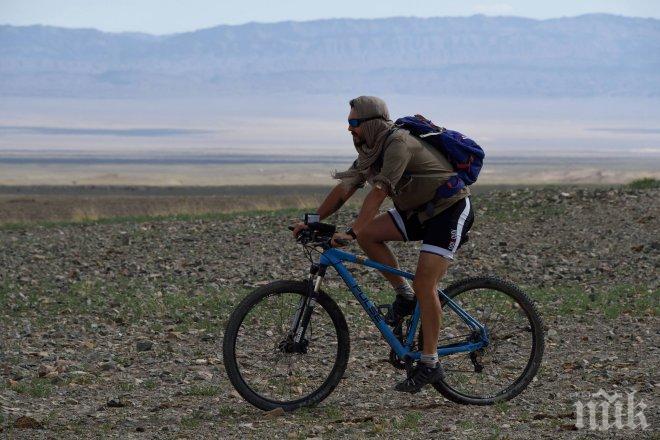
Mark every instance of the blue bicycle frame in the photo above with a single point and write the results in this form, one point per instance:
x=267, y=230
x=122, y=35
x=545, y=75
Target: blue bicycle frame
x=334, y=257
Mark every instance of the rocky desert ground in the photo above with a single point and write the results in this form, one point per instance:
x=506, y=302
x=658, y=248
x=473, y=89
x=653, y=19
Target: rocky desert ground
x=114, y=329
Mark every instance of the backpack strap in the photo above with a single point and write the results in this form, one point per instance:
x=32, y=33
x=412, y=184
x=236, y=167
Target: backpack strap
x=444, y=191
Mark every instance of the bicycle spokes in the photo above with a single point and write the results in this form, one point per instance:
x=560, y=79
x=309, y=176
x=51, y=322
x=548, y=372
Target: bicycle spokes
x=491, y=369
x=278, y=360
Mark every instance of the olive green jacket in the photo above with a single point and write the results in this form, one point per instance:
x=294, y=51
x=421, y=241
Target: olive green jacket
x=411, y=172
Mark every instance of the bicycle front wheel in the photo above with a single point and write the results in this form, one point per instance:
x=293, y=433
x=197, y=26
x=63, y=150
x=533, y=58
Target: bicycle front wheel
x=263, y=363
x=502, y=369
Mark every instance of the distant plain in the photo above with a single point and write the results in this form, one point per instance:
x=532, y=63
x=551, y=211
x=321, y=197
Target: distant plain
x=294, y=140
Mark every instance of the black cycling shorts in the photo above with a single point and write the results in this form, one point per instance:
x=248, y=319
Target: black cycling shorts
x=443, y=234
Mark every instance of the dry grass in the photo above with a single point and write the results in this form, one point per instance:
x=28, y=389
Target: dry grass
x=44, y=204
x=69, y=207
x=82, y=214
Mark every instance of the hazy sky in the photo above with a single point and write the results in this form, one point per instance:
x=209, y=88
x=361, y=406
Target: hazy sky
x=167, y=16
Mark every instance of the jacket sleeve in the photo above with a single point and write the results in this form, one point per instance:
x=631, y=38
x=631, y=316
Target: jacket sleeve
x=356, y=181
x=395, y=160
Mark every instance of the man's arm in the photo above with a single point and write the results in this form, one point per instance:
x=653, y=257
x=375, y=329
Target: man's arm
x=335, y=200
x=396, y=159
x=368, y=211
x=370, y=207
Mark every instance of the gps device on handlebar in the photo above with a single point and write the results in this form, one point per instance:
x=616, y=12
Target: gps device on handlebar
x=317, y=232
x=313, y=222
x=311, y=218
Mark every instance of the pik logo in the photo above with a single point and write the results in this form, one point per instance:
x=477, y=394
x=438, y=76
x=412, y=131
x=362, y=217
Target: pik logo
x=605, y=411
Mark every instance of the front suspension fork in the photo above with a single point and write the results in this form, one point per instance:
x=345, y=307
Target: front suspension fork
x=307, y=303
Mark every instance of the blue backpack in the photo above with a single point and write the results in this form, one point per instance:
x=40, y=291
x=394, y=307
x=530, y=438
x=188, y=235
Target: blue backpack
x=464, y=154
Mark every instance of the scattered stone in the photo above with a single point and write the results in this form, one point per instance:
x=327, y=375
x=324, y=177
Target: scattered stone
x=25, y=422
x=107, y=366
x=47, y=371
x=277, y=412
x=144, y=345
x=116, y=403
x=125, y=238
x=203, y=375
x=564, y=252
x=174, y=335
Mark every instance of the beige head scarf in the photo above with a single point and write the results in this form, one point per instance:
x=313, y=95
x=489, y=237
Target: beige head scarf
x=374, y=133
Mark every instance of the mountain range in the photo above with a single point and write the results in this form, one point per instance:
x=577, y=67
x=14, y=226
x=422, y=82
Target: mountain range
x=589, y=55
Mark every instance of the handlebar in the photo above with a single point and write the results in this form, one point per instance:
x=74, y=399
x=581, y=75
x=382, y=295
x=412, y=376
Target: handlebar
x=319, y=233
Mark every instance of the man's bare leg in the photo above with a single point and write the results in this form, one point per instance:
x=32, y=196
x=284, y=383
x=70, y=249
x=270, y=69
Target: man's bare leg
x=430, y=269
x=372, y=239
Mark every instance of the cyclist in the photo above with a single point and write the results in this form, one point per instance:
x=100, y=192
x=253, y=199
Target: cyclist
x=408, y=170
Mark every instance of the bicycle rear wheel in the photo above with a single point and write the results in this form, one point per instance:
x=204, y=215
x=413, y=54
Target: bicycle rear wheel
x=263, y=364
x=501, y=370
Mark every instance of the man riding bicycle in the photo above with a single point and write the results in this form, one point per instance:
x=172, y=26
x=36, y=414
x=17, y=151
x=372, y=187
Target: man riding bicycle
x=408, y=170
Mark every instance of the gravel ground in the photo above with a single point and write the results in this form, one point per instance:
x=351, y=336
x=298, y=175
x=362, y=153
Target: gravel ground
x=114, y=330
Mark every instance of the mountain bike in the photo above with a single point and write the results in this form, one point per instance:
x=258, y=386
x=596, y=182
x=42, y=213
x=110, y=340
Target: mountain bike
x=286, y=344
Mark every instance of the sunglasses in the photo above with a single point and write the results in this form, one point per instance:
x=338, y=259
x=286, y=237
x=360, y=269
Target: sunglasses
x=356, y=122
